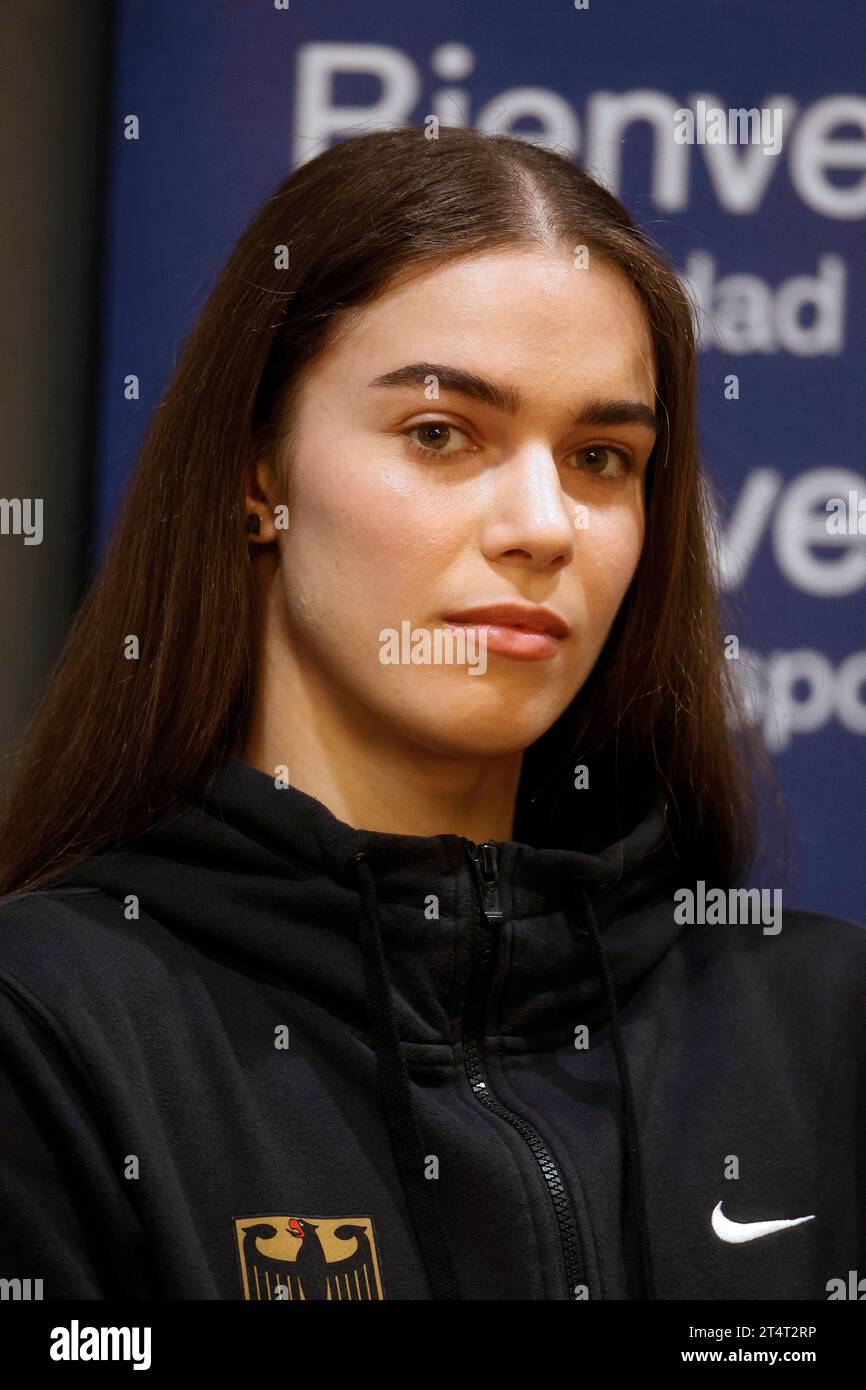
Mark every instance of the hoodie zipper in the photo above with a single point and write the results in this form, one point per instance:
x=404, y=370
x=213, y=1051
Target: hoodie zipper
x=484, y=862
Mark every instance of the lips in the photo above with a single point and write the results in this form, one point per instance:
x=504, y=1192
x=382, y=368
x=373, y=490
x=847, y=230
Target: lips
x=523, y=617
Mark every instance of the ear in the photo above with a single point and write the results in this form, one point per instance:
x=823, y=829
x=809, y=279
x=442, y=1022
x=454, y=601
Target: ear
x=260, y=499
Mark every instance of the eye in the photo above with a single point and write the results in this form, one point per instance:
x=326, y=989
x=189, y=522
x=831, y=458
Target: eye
x=603, y=461
x=438, y=435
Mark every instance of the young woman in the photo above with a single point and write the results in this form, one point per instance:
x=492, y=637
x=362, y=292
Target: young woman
x=371, y=926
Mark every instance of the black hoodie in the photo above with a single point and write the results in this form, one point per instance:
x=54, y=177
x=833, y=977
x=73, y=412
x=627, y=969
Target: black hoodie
x=260, y=1054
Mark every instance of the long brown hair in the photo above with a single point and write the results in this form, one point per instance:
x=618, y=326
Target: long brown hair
x=116, y=744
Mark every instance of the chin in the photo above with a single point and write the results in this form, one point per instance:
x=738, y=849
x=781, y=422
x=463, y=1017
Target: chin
x=467, y=749
x=467, y=736
x=475, y=717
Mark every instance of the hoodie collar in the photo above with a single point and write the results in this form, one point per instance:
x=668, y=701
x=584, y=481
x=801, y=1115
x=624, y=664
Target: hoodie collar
x=266, y=838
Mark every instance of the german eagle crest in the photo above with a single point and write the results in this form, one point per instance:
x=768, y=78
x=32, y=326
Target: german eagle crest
x=298, y=1258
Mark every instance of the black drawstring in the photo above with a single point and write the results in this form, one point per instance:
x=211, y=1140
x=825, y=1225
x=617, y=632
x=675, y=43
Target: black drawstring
x=396, y=1091
x=402, y=1120
x=631, y=1143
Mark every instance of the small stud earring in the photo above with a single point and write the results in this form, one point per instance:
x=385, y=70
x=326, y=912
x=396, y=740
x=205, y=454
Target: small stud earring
x=254, y=523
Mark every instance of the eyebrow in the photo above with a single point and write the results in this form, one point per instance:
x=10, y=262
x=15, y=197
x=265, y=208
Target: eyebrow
x=509, y=400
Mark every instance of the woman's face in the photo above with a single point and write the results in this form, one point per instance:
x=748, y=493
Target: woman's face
x=405, y=509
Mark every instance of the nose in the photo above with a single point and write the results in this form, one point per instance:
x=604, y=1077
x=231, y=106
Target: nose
x=528, y=517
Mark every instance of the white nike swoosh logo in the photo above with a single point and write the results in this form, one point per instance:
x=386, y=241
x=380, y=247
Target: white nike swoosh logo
x=735, y=1232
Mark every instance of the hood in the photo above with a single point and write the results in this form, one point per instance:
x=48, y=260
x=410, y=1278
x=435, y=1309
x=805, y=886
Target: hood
x=375, y=925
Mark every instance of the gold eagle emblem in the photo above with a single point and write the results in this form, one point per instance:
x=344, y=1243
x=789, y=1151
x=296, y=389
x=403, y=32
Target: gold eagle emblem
x=291, y=1258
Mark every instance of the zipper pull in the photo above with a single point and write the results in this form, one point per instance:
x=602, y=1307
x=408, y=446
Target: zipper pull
x=485, y=862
